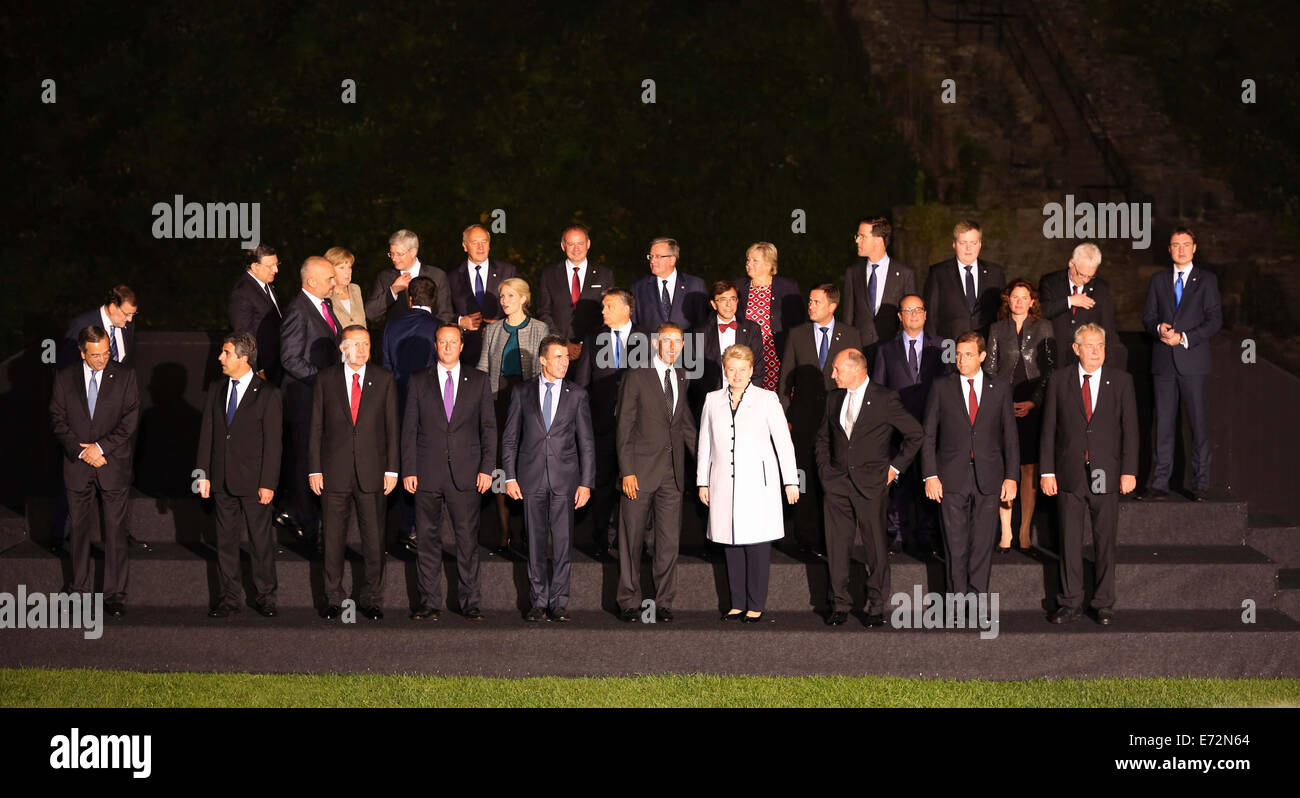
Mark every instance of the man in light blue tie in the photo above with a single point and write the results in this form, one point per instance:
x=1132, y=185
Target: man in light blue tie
x=549, y=458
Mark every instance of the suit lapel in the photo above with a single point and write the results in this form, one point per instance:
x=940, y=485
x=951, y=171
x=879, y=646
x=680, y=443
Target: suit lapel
x=1191, y=286
x=679, y=296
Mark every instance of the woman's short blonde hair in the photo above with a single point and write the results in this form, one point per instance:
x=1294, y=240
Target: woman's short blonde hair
x=338, y=256
x=520, y=287
x=765, y=251
x=738, y=352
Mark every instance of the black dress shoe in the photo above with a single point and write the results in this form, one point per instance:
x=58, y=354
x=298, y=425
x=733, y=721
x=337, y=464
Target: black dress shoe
x=222, y=611
x=895, y=546
x=266, y=610
x=474, y=614
x=628, y=615
x=1105, y=616
x=373, y=613
x=560, y=614
x=56, y=548
x=1200, y=496
x=425, y=614
x=332, y=612
x=142, y=545
x=1153, y=495
x=663, y=615
x=752, y=618
x=535, y=615
x=874, y=620
x=1065, y=615
x=734, y=615
x=290, y=523
x=837, y=618
x=1003, y=550
x=115, y=609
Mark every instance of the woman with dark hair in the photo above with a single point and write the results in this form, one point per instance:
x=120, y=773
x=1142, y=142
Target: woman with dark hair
x=1022, y=349
x=772, y=302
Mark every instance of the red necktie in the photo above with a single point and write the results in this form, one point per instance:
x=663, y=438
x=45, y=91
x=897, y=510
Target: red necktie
x=731, y=325
x=576, y=289
x=1074, y=308
x=1087, y=408
x=974, y=407
x=329, y=317
x=356, y=396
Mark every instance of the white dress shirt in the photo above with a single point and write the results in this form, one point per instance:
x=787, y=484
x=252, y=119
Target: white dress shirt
x=238, y=387
x=663, y=368
x=726, y=339
x=455, y=380
x=881, y=268
x=672, y=286
x=975, y=275
x=856, y=394
x=582, y=273
x=316, y=303
x=542, y=382
x=116, y=332
x=817, y=336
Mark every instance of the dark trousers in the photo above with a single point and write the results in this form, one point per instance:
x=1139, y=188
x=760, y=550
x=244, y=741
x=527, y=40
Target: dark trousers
x=369, y=512
x=463, y=507
x=806, y=520
x=970, y=527
x=1194, y=392
x=1104, y=512
x=605, y=497
x=847, y=516
x=907, y=498
x=549, y=517
x=297, y=498
x=82, y=512
x=747, y=572
x=666, y=503
x=237, y=516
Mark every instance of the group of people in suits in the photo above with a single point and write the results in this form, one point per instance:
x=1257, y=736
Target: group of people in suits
x=582, y=400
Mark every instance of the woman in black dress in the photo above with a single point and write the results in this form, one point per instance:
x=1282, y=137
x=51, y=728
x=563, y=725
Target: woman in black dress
x=1022, y=349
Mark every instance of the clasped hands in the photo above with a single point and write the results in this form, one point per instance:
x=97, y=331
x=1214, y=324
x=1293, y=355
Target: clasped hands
x=92, y=456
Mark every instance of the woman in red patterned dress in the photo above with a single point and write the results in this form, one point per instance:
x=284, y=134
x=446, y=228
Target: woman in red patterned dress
x=773, y=303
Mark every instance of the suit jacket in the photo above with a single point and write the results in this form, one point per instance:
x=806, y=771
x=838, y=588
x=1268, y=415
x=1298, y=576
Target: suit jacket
x=945, y=298
x=555, y=299
x=307, y=345
x=464, y=302
x=381, y=308
x=467, y=443
x=893, y=371
x=710, y=356
x=804, y=385
x=652, y=444
x=1054, y=299
x=689, y=309
x=1110, y=439
x=861, y=463
x=338, y=449
x=410, y=346
x=1039, y=357
x=117, y=414
x=596, y=374
x=358, y=313
x=72, y=353
x=950, y=437
x=560, y=459
x=252, y=311
x=883, y=325
x=789, y=307
x=1199, y=316
x=245, y=456
x=495, y=337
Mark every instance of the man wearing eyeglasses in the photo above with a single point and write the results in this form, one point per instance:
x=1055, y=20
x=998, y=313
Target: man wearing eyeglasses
x=387, y=298
x=1077, y=295
x=909, y=363
x=667, y=294
x=117, y=317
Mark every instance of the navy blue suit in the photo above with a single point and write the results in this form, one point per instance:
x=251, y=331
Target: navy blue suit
x=464, y=302
x=690, y=303
x=1182, y=373
x=72, y=353
x=410, y=346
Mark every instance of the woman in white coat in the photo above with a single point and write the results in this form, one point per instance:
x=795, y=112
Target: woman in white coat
x=745, y=455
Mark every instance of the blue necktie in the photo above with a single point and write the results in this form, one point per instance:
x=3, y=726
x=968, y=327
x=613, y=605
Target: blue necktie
x=666, y=302
x=913, y=361
x=546, y=406
x=824, y=348
x=1178, y=291
x=92, y=395
x=230, y=408
x=618, y=350
x=970, y=287
x=112, y=344
x=871, y=287
x=478, y=285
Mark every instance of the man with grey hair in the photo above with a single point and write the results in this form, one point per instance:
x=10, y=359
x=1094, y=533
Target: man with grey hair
x=667, y=294
x=387, y=298
x=474, y=285
x=1075, y=296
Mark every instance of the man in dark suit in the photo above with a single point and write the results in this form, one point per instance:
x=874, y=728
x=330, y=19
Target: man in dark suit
x=1183, y=313
x=255, y=308
x=474, y=284
x=655, y=431
x=570, y=292
x=609, y=351
x=963, y=293
x=806, y=368
x=1075, y=296
x=875, y=285
x=94, y=413
x=853, y=461
x=117, y=317
x=353, y=457
x=1089, y=448
x=721, y=330
x=550, y=462
x=971, y=460
x=239, y=455
x=449, y=448
x=309, y=342
x=667, y=294
x=910, y=363
x=387, y=298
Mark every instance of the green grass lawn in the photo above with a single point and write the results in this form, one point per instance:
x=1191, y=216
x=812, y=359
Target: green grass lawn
x=96, y=688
